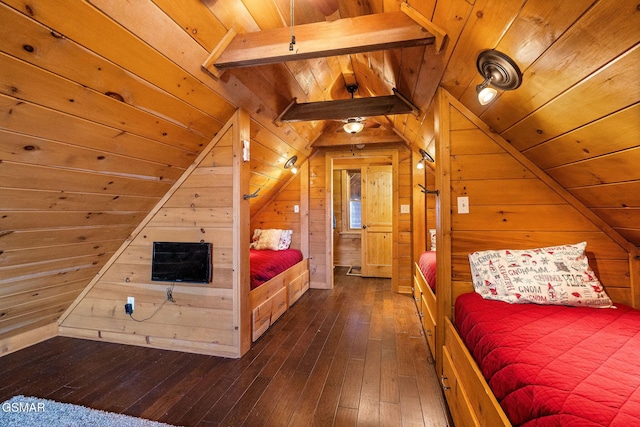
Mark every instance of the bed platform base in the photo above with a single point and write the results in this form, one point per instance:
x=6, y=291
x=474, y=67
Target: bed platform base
x=470, y=399
x=425, y=301
x=270, y=300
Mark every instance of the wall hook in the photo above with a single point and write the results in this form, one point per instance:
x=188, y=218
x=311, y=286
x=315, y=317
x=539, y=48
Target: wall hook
x=252, y=195
x=425, y=191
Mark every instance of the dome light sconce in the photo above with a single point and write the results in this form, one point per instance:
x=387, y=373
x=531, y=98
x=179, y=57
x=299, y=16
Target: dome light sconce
x=425, y=157
x=499, y=72
x=353, y=126
x=291, y=164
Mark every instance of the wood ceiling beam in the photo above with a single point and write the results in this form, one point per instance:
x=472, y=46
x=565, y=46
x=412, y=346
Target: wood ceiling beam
x=342, y=109
x=365, y=33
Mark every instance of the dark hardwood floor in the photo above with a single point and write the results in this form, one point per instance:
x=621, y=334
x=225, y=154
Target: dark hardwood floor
x=355, y=355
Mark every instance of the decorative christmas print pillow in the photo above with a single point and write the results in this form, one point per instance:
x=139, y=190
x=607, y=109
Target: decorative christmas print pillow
x=558, y=275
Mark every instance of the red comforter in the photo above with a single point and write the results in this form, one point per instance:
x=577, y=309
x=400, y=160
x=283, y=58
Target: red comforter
x=553, y=365
x=427, y=264
x=266, y=264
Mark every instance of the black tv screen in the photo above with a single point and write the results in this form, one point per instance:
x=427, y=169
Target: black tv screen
x=181, y=262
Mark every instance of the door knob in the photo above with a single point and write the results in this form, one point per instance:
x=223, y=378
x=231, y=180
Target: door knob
x=364, y=226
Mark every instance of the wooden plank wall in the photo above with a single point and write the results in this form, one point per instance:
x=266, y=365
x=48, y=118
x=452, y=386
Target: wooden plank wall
x=279, y=212
x=320, y=240
x=269, y=153
x=513, y=204
x=319, y=243
x=204, y=318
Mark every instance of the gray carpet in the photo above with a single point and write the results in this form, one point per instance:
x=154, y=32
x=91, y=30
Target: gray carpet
x=21, y=411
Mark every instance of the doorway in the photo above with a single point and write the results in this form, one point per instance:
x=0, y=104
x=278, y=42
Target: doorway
x=364, y=197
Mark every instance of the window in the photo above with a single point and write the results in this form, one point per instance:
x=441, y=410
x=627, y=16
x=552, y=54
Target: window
x=354, y=197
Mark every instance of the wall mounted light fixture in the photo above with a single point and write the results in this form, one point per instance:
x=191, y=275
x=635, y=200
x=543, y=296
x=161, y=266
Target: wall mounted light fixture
x=499, y=71
x=291, y=164
x=426, y=157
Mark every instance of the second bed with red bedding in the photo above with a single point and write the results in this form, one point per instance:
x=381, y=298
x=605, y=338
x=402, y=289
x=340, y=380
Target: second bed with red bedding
x=556, y=365
x=427, y=264
x=267, y=264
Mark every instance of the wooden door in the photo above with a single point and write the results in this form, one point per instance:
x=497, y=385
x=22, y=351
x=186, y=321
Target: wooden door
x=377, y=221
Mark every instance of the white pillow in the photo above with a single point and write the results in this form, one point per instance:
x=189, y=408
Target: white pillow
x=557, y=275
x=432, y=234
x=267, y=239
x=285, y=240
x=273, y=239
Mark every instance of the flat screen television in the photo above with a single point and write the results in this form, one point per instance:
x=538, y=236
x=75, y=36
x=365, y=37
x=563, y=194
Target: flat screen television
x=181, y=262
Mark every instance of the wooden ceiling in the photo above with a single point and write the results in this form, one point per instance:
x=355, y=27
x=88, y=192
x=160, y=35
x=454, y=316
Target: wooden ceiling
x=103, y=111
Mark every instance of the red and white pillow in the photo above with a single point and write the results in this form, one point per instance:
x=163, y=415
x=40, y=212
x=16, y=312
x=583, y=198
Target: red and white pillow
x=273, y=239
x=557, y=275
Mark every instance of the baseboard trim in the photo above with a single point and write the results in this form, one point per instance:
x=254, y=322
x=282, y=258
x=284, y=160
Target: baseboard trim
x=25, y=339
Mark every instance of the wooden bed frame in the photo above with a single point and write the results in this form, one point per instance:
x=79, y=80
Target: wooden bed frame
x=471, y=401
x=270, y=300
x=425, y=301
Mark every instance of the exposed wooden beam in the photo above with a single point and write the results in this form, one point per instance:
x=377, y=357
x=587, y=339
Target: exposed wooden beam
x=365, y=33
x=426, y=24
x=367, y=136
x=342, y=109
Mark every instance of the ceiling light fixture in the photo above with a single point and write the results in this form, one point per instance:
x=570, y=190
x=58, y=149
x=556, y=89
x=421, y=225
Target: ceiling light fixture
x=425, y=157
x=291, y=164
x=353, y=126
x=499, y=71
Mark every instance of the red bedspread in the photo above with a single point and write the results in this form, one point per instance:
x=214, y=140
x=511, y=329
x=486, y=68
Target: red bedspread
x=554, y=365
x=427, y=264
x=266, y=264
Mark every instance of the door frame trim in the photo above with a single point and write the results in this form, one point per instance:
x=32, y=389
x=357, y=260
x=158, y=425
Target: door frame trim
x=330, y=157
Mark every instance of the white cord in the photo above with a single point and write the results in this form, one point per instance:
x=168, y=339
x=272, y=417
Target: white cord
x=291, y=18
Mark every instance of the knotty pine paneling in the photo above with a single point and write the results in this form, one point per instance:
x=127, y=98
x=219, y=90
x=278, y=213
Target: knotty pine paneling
x=319, y=250
x=279, y=212
x=620, y=130
x=111, y=122
x=269, y=153
x=204, y=317
x=512, y=206
x=431, y=207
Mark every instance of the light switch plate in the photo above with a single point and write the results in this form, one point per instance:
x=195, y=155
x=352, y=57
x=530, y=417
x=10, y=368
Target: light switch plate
x=296, y=208
x=463, y=205
x=405, y=209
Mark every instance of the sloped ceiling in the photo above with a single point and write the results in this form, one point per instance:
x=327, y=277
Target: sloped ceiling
x=104, y=104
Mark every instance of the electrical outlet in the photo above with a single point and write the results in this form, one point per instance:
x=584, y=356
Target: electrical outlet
x=131, y=300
